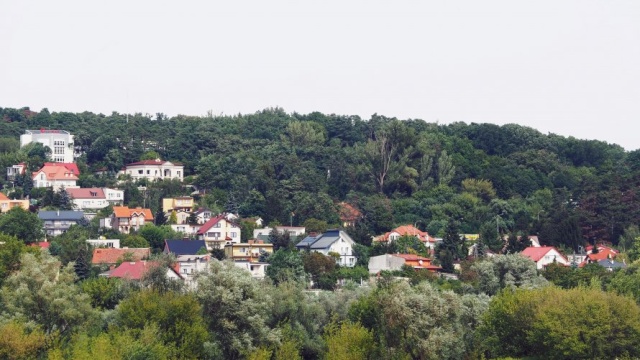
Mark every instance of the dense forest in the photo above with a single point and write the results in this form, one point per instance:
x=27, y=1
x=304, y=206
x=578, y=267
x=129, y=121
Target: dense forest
x=271, y=164
x=495, y=181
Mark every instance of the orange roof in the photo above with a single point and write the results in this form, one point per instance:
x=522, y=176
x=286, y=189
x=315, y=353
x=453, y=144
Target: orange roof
x=56, y=172
x=537, y=253
x=111, y=255
x=3, y=197
x=603, y=254
x=409, y=230
x=73, y=167
x=125, y=212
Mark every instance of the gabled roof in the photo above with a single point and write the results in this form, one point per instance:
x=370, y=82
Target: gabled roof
x=325, y=240
x=86, y=193
x=67, y=215
x=112, y=255
x=602, y=254
x=55, y=172
x=3, y=197
x=73, y=167
x=214, y=220
x=537, y=253
x=410, y=230
x=135, y=270
x=184, y=247
x=156, y=162
x=611, y=264
x=125, y=212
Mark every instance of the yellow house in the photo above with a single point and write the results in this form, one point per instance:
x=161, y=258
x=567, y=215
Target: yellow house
x=182, y=203
x=6, y=204
x=247, y=251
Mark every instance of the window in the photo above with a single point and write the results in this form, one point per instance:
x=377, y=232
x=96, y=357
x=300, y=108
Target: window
x=140, y=172
x=351, y=261
x=217, y=225
x=233, y=234
x=148, y=172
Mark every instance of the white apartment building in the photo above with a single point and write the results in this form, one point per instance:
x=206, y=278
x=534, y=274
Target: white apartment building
x=153, y=169
x=59, y=141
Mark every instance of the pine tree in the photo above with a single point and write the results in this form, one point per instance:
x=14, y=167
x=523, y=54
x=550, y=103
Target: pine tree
x=161, y=217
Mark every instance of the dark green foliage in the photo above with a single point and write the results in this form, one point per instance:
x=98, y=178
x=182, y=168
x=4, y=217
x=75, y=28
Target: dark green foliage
x=24, y=225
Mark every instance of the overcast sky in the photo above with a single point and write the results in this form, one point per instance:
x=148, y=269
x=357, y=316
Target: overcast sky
x=567, y=67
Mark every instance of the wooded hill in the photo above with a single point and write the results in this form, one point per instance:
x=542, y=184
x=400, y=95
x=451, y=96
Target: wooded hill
x=489, y=178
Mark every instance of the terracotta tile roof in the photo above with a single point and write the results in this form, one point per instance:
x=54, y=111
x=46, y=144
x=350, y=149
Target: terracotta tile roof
x=133, y=270
x=56, y=172
x=537, y=253
x=409, y=230
x=111, y=255
x=86, y=193
x=412, y=257
x=603, y=254
x=125, y=212
x=73, y=167
x=3, y=197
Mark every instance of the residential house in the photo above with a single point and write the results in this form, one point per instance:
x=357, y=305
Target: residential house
x=59, y=141
x=603, y=253
x=88, y=199
x=58, y=221
x=135, y=270
x=612, y=265
x=332, y=242
x=293, y=231
x=7, y=204
x=218, y=232
x=409, y=230
x=16, y=170
x=191, y=256
x=182, y=206
x=544, y=256
x=153, y=170
x=185, y=247
x=125, y=219
x=349, y=215
x=113, y=196
x=393, y=262
x=104, y=243
x=257, y=221
x=257, y=270
x=203, y=215
x=249, y=251
x=56, y=176
x=187, y=229
x=110, y=256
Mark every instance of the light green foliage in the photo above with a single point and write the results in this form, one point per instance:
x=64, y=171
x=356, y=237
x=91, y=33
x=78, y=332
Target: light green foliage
x=11, y=249
x=299, y=133
x=482, y=189
x=150, y=155
x=236, y=309
x=156, y=235
x=506, y=271
x=552, y=323
x=177, y=317
x=116, y=345
x=24, y=225
x=43, y=294
x=348, y=341
x=627, y=282
x=420, y=321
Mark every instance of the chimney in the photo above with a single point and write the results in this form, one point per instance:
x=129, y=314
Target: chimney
x=250, y=242
x=313, y=234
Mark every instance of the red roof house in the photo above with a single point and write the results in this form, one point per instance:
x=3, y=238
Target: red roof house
x=112, y=255
x=544, y=256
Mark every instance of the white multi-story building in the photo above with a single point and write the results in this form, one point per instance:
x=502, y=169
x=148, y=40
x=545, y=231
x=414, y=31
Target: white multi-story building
x=153, y=169
x=59, y=141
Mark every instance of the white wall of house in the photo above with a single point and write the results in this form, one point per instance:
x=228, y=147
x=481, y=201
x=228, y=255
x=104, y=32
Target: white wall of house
x=550, y=257
x=257, y=270
x=107, y=243
x=113, y=196
x=345, y=249
x=385, y=262
x=165, y=170
x=185, y=228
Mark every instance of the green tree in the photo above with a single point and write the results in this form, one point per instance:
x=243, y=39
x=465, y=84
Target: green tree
x=452, y=248
x=42, y=293
x=22, y=224
x=349, y=341
x=178, y=317
x=286, y=265
x=236, y=309
x=134, y=241
x=321, y=268
x=161, y=217
x=105, y=293
x=506, y=271
x=17, y=341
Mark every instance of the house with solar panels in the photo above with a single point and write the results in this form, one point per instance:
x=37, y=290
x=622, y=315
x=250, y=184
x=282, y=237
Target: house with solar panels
x=331, y=243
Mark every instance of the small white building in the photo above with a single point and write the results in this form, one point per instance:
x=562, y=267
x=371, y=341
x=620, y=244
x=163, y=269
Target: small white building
x=104, y=243
x=153, y=169
x=293, y=231
x=59, y=141
x=258, y=270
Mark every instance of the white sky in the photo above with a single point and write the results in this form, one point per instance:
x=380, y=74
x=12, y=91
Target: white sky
x=567, y=67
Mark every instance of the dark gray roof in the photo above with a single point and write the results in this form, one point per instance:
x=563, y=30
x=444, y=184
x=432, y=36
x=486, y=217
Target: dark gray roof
x=323, y=241
x=67, y=215
x=610, y=264
x=184, y=247
x=306, y=242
